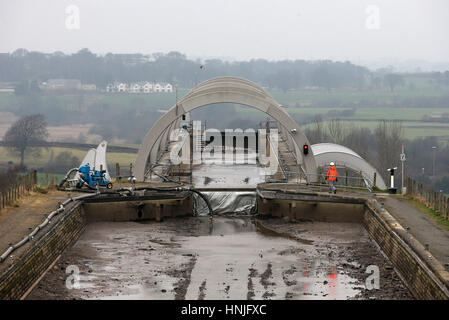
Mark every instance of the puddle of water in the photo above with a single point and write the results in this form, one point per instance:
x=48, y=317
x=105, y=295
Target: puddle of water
x=228, y=259
x=239, y=263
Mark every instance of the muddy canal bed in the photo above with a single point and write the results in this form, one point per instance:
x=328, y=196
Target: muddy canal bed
x=192, y=258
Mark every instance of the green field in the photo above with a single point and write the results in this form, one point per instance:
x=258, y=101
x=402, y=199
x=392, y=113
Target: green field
x=44, y=179
x=367, y=118
x=415, y=87
x=362, y=113
x=111, y=100
x=298, y=103
x=376, y=113
x=412, y=130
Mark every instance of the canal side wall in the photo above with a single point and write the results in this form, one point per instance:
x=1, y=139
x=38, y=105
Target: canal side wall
x=116, y=211
x=316, y=211
x=21, y=276
x=424, y=276
x=43, y=251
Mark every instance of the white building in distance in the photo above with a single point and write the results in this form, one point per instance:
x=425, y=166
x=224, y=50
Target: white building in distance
x=139, y=87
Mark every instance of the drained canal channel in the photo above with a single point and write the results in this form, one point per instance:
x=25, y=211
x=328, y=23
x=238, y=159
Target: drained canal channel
x=228, y=257
x=274, y=242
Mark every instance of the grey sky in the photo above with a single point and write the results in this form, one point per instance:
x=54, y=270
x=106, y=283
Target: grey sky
x=245, y=29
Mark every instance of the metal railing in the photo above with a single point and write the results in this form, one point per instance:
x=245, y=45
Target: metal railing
x=304, y=180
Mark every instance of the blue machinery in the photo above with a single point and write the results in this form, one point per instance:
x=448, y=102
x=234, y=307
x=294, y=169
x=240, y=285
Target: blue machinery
x=87, y=176
x=93, y=177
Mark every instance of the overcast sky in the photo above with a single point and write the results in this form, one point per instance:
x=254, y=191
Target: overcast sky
x=272, y=29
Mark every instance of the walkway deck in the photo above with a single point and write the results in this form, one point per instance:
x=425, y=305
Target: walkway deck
x=422, y=227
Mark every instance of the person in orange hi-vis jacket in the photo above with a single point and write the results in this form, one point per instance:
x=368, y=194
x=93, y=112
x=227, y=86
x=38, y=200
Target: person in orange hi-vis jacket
x=332, y=177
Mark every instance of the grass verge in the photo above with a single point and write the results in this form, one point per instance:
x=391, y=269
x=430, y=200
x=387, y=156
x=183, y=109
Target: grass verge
x=438, y=218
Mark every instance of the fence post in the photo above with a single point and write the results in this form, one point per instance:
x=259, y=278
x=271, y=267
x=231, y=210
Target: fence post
x=117, y=171
x=447, y=208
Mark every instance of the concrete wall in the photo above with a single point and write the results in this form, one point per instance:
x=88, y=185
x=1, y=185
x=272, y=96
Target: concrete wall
x=324, y=211
x=423, y=274
x=423, y=282
x=17, y=280
x=423, y=279
x=138, y=210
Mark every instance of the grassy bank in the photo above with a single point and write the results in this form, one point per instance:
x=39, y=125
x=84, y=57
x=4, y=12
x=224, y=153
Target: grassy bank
x=443, y=222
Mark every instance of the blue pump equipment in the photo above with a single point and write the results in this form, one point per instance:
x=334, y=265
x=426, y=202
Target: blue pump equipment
x=92, y=177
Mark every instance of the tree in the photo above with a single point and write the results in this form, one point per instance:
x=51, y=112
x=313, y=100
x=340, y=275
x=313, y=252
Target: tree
x=393, y=80
x=336, y=130
x=62, y=162
x=389, y=136
x=25, y=133
x=316, y=133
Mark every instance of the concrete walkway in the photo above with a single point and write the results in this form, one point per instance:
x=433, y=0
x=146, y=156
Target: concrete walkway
x=422, y=227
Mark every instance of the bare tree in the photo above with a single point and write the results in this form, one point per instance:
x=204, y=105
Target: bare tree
x=389, y=137
x=360, y=140
x=316, y=133
x=25, y=134
x=336, y=130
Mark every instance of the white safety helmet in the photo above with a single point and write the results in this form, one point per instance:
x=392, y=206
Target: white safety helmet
x=332, y=164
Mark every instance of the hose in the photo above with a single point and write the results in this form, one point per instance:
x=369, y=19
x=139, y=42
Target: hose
x=42, y=225
x=164, y=178
x=211, y=212
x=191, y=189
x=66, y=177
x=85, y=183
x=63, y=205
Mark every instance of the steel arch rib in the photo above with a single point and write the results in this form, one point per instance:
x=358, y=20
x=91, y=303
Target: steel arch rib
x=223, y=90
x=326, y=152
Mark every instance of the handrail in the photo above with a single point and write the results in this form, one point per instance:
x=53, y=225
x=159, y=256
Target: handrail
x=343, y=181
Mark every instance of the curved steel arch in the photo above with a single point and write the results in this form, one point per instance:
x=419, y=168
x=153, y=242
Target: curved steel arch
x=221, y=90
x=326, y=152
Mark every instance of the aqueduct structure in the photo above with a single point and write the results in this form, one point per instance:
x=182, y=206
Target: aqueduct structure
x=222, y=90
x=244, y=92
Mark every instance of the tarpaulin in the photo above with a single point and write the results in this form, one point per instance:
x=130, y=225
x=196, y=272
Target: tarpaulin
x=243, y=202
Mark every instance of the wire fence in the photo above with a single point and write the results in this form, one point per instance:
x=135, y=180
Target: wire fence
x=22, y=186
x=432, y=199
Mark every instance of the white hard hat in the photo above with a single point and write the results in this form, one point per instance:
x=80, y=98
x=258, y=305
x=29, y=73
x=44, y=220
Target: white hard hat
x=332, y=164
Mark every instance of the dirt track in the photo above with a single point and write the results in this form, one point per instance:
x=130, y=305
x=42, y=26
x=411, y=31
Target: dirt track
x=229, y=259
